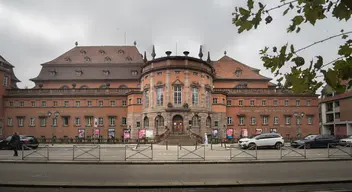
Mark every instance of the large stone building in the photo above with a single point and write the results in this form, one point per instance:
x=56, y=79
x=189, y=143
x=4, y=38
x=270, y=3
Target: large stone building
x=115, y=90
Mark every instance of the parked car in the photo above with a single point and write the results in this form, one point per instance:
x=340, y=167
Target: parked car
x=262, y=140
x=312, y=141
x=29, y=141
x=346, y=141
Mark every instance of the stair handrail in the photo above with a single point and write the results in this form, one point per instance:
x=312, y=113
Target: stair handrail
x=195, y=136
x=164, y=135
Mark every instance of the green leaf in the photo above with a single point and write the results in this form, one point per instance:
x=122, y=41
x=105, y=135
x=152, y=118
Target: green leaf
x=285, y=12
x=292, y=48
x=341, y=11
x=250, y=4
x=319, y=63
x=297, y=20
x=261, y=6
x=274, y=49
x=344, y=36
x=244, y=12
x=345, y=50
x=299, y=61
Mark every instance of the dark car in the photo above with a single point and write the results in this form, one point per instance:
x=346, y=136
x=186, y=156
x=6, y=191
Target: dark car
x=29, y=141
x=311, y=141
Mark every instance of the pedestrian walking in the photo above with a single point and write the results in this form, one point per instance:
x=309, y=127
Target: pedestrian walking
x=15, y=143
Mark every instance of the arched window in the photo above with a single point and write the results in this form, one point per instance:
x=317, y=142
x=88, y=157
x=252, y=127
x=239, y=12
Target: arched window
x=196, y=121
x=84, y=87
x=123, y=86
x=64, y=87
x=177, y=95
x=208, y=122
x=146, y=122
x=146, y=98
x=195, y=92
x=159, y=121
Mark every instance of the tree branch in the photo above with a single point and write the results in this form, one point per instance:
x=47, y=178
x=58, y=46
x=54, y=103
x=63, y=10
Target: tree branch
x=279, y=6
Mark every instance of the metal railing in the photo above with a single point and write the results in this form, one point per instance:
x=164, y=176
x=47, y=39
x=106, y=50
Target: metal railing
x=191, y=152
x=36, y=151
x=244, y=151
x=139, y=152
x=338, y=150
x=291, y=150
x=87, y=152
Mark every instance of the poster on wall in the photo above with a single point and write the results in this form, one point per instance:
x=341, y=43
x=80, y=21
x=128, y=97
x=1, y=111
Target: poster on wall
x=126, y=133
x=141, y=133
x=111, y=133
x=149, y=133
x=229, y=133
x=96, y=133
x=273, y=130
x=244, y=133
x=95, y=122
x=81, y=133
x=258, y=131
x=215, y=132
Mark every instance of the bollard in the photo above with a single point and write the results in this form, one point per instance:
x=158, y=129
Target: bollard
x=167, y=143
x=196, y=144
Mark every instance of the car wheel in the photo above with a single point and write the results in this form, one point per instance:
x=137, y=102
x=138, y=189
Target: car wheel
x=278, y=145
x=308, y=146
x=251, y=146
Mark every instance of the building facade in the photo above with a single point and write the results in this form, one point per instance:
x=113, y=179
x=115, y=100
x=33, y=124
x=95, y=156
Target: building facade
x=116, y=91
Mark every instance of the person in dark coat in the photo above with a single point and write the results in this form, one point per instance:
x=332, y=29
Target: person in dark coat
x=15, y=143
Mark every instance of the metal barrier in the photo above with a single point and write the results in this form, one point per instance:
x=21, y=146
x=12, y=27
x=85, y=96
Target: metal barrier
x=244, y=151
x=86, y=149
x=340, y=148
x=35, y=151
x=294, y=151
x=139, y=150
x=191, y=152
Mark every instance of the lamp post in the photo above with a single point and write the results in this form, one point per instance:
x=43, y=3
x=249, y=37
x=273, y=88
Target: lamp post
x=55, y=116
x=300, y=116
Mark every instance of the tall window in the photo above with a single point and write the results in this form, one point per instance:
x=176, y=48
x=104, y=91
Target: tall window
x=251, y=102
x=178, y=95
x=195, y=92
x=9, y=122
x=146, y=122
x=66, y=103
x=89, y=121
x=65, y=121
x=215, y=100
x=54, y=122
x=42, y=121
x=77, y=121
x=6, y=81
x=159, y=121
x=276, y=120
x=240, y=102
x=298, y=120
x=123, y=121
x=241, y=120
x=43, y=103
x=286, y=102
x=310, y=120
x=32, y=122
x=196, y=121
x=275, y=102
x=20, y=121
x=298, y=102
x=287, y=120
x=101, y=121
x=146, y=96
x=265, y=120
x=159, y=96
x=229, y=120
x=208, y=122
x=253, y=121
x=112, y=121
x=78, y=103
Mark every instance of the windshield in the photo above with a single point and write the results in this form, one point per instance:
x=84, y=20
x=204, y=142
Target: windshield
x=309, y=137
x=253, y=136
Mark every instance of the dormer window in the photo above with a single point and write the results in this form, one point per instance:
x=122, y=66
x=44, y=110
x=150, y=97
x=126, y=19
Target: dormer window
x=120, y=51
x=107, y=59
x=238, y=72
x=134, y=73
x=79, y=72
x=83, y=52
x=87, y=59
x=128, y=58
x=52, y=72
x=106, y=72
x=101, y=51
x=67, y=59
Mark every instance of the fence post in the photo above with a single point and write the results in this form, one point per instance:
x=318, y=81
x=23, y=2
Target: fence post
x=22, y=153
x=151, y=146
x=47, y=147
x=167, y=145
x=73, y=153
x=99, y=151
x=196, y=144
x=305, y=152
x=256, y=152
x=328, y=150
x=281, y=151
x=204, y=153
x=211, y=144
x=125, y=152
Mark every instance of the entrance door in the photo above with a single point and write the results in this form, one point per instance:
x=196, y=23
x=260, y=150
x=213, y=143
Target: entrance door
x=177, y=124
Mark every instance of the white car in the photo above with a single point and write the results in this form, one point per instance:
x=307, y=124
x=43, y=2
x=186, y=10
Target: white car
x=346, y=141
x=262, y=140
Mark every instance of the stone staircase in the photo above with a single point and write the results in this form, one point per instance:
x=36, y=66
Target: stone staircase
x=175, y=139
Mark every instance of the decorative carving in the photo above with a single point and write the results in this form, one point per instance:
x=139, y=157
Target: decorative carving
x=86, y=58
x=106, y=72
x=82, y=51
x=79, y=72
x=195, y=84
x=169, y=105
x=159, y=84
x=186, y=53
x=68, y=58
x=185, y=105
x=177, y=82
x=153, y=52
x=168, y=53
x=207, y=86
x=146, y=87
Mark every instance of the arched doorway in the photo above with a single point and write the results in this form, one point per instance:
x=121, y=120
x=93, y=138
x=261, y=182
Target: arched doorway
x=177, y=124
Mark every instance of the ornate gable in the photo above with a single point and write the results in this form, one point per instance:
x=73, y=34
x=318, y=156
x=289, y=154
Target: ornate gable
x=177, y=82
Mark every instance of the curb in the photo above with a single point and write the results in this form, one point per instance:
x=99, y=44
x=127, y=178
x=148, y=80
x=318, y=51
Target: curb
x=249, y=161
x=175, y=184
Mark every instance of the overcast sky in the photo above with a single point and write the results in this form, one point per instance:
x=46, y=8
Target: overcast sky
x=37, y=31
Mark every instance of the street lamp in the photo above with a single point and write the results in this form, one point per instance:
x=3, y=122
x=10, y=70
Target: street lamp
x=300, y=117
x=55, y=116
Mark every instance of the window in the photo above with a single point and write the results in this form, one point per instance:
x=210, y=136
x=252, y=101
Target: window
x=124, y=103
x=146, y=122
x=77, y=121
x=229, y=102
x=123, y=121
x=146, y=77
x=208, y=122
x=216, y=123
x=65, y=121
x=135, y=73
x=43, y=103
x=66, y=103
x=276, y=120
x=146, y=98
x=215, y=100
x=298, y=102
x=263, y=102
x=129, y=101
x=238, y=72
x=196, y=121
x=138, y=124
x=42, y=121
x=21, y=104
x=6, y=81
x=101, y=121
x=298, y=120
x=308, y=102
x=251, y=102
x=139, y=100
x=229, y=120
x=286, y=102
x=265, y=120
x=101, y=103
x=275, y=102
x=208, y=77
x=159, y=73
x=310, y=120
x=287, y=120
x=9, y=122
x=160, y=96
x=20, y=121
x=242, y=120
x=54, y=122
x=177, y=72
x=223, y=101
x=33, y=103
x=11, y=103
x=195, y=92
x=159, y=121
x=32, y=122
x=253, y=121
x=89, y=121
x=112, y=103
x=89, y=103
x=78, y=103
x=195, y=73
x=55, y=103
x=178, y=95
x=240, y=102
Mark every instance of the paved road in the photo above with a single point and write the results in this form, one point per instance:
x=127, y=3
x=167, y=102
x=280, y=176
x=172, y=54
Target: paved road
x=160, y=153
x=176, y=174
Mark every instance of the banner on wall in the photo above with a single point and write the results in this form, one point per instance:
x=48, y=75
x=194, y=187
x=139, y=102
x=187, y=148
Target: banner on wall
x=111, y=133
x=141, y=133
x=244, y=133
x=96, y=132
x=95, y=122
x=229, y=133
x=126, y=133
x=149, y=134
x=81, y=133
